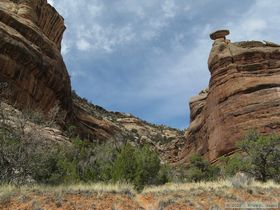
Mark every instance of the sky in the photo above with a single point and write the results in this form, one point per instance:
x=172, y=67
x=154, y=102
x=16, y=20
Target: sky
x=149, y=57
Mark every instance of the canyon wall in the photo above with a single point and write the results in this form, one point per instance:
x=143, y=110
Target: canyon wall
x=243, y=94
x=31, y=65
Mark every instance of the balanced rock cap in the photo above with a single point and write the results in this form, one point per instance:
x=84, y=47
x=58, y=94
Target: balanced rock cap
x=219, y=34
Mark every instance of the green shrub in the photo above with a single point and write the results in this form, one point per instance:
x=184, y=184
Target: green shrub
x=148, y=166
x=262, y=155
x=31, y=159
x=97, y=162
x=139, y=166
x=233, y=164
x=27, y=160
x=200, y=169
x=125, y=167
x=164, y=175
x=45, y=165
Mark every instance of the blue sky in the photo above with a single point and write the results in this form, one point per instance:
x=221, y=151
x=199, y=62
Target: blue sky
x=148, y=57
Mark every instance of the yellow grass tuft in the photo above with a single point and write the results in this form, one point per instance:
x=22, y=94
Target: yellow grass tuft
x=176, y=187
x=173, y=187
x=6, y=192
x=122, y=188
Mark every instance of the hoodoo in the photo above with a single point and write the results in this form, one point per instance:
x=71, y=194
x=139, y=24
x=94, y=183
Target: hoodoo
x=220, y=34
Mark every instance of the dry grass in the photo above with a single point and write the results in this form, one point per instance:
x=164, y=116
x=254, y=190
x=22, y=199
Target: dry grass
x=124, y=188
x=6, y=192
x=211, y=195
x=176, y=187
x=76, y=196
x=267, y=185
x=172, y=196
x=100, y=196
x=119, y=188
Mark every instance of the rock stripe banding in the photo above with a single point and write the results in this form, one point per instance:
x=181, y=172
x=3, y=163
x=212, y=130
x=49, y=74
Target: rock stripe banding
x=243, y=94
x=30, y=60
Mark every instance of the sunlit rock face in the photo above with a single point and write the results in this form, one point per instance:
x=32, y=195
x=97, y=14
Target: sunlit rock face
x=244, y=94
x=30, y=60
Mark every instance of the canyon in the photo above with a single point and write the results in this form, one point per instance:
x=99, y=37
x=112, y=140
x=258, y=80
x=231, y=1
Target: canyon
x=243, y=92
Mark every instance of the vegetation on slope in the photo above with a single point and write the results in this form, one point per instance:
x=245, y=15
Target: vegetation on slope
x=28, y=157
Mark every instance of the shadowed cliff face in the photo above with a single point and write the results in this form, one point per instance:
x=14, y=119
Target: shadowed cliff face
x=244, y=94
x=30, y=60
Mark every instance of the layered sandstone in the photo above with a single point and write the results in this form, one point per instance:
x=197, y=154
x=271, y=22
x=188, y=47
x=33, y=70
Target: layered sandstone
x=30, y=60
x=244, y=94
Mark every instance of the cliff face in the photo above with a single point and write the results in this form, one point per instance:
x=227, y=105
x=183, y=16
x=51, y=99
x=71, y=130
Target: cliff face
x=31, y=65
x=244, y=94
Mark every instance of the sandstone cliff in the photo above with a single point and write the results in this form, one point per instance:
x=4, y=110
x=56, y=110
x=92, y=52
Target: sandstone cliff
x=243, y=94
x=30, y=59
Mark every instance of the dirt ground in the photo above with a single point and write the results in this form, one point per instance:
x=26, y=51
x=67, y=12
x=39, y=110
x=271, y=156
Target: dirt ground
x=195, y=199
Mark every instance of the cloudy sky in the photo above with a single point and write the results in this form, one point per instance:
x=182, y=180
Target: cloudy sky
x=148, y=57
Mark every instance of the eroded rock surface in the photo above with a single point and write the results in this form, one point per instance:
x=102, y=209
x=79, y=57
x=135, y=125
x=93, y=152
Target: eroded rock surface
x=244, y=94
x=30, y=59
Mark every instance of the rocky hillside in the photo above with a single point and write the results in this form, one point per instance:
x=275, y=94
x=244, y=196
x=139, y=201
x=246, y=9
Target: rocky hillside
x=33, y=76
x=243, y=94
x=100, y=124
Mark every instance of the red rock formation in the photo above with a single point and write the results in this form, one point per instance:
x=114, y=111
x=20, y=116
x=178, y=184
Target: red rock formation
x=244, y=94
x=30, y=60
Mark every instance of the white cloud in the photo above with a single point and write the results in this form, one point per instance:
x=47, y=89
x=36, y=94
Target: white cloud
x=254, y=25
x=96, y=9
x=96, y=37
x=91, y=27
x=169, y=8
x=83, y=45
x=187, y=8
x=260, y=22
